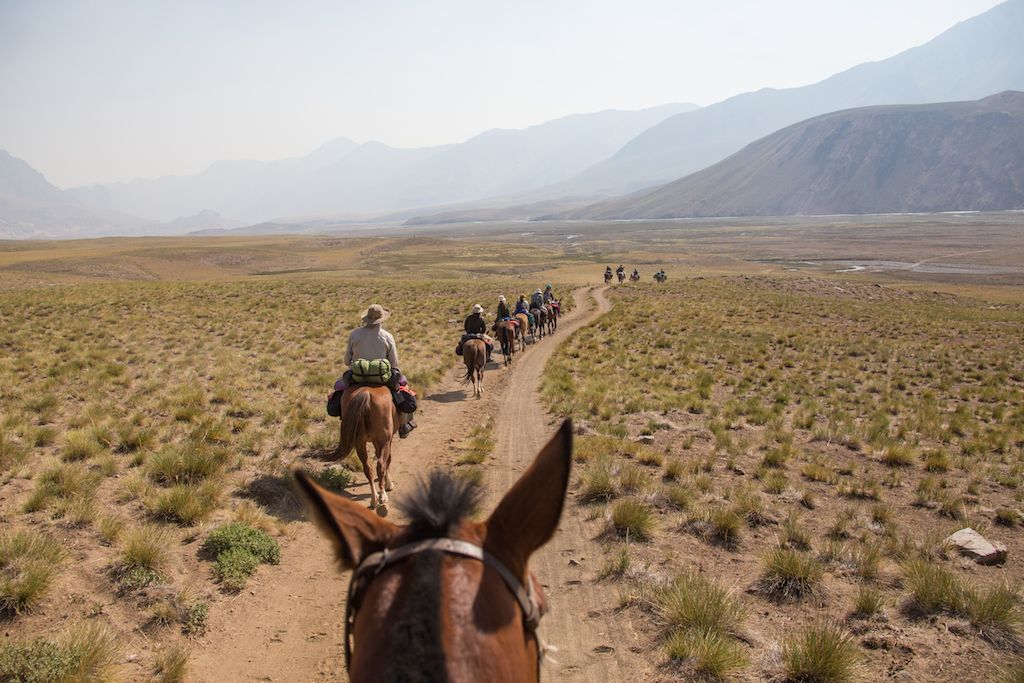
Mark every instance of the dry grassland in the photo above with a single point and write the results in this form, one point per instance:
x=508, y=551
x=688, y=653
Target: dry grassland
x=779, y=460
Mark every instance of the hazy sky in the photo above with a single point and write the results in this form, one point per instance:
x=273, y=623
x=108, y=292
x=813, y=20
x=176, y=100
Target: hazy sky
x=101, y=90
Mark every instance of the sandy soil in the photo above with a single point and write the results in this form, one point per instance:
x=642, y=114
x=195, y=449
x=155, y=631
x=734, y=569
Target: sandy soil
x=286, y=626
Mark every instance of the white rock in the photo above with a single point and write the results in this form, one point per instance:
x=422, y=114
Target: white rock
x=972, y=544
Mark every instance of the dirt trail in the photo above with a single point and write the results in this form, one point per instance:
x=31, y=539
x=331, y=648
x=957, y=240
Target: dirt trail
x=594, y=643
x=286, y=624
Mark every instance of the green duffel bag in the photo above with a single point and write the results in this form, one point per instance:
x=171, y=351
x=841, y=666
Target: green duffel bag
x=374, y=372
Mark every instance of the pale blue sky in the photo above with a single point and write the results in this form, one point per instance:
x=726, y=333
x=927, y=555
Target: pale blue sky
x=102, y=90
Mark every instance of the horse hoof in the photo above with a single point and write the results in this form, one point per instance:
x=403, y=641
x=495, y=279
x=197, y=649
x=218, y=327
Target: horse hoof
x=382, y=510
x=390, y=486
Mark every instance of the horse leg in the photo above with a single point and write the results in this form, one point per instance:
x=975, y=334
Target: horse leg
x=364, y=458
x=383, y=451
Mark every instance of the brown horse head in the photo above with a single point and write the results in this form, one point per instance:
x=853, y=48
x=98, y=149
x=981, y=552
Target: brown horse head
x=426, y=607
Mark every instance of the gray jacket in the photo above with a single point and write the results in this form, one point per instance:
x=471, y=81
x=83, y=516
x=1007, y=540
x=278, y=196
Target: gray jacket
x=371, y=342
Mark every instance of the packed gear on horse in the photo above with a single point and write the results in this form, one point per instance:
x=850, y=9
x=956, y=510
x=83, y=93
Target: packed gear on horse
x=372, y=358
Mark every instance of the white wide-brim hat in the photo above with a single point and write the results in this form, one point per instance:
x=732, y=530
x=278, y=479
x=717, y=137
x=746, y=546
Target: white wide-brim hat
x=477, y=308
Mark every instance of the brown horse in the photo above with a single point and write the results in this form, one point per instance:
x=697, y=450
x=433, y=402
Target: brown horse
x=368, y=414
x=507, y=338
x=524, y=325
x=552, y=318
x=540, y=326
x=445, y=598
x=474, y=354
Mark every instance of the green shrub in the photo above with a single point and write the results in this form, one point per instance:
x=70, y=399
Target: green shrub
x=239, y=549
x=334, y=478
x=87, y=653
x=38, y=661
x=234, y=567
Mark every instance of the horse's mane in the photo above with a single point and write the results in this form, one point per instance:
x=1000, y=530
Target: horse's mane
x=439, y=504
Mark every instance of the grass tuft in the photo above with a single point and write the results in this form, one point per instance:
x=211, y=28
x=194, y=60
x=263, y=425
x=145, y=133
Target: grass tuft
x=632, y=519
x=29, y=562
x=822, y=653
x=789, y=575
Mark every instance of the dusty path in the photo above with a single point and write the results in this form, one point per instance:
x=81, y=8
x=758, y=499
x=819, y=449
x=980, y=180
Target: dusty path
x=286, y=625
x=594, y=642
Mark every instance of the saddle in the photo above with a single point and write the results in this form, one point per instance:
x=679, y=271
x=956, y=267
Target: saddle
x=467, y=337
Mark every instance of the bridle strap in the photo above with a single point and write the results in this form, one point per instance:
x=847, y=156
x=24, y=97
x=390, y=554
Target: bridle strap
x=375, y=563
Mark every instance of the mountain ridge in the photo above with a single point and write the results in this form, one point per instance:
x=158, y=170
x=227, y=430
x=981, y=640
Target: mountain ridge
x=956, y=156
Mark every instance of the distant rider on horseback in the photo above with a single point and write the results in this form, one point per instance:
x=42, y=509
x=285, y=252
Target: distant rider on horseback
x=503, y=310
x=522, y=306
x=476, y=328
x=537, y=299
x=550, y=300
x=373, y=342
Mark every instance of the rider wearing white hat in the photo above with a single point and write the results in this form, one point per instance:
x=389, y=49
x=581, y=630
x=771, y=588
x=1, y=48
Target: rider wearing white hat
x=476, y=325
x=373, y=342
x=503, y=309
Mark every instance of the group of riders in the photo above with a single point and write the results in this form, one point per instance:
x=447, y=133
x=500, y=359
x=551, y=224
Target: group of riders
x=372, y=355
x=620, y=272
x=540, y=303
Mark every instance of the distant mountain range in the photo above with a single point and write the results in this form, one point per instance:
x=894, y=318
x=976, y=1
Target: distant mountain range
x=978, y=57
x=561, y=167
x=959, y=156
x=342, y=177
x=31, y=207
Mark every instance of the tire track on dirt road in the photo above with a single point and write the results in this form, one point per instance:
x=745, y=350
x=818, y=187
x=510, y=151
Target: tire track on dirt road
x=286, y=625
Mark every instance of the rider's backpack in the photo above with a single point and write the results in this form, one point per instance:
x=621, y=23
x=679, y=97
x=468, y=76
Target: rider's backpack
x=374, y=372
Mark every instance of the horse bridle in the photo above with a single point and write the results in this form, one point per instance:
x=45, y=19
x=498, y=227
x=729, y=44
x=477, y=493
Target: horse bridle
x=373, y=564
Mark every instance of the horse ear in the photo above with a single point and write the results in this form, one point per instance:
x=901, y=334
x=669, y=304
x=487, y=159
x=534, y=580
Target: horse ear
x=527, y=517
x=355, y=531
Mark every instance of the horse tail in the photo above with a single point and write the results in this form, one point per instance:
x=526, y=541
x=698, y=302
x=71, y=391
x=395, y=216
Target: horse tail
x=469, y=355
x=354, y=423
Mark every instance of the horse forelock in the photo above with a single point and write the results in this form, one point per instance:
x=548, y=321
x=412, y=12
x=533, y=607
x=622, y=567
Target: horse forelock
x=439, y=504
